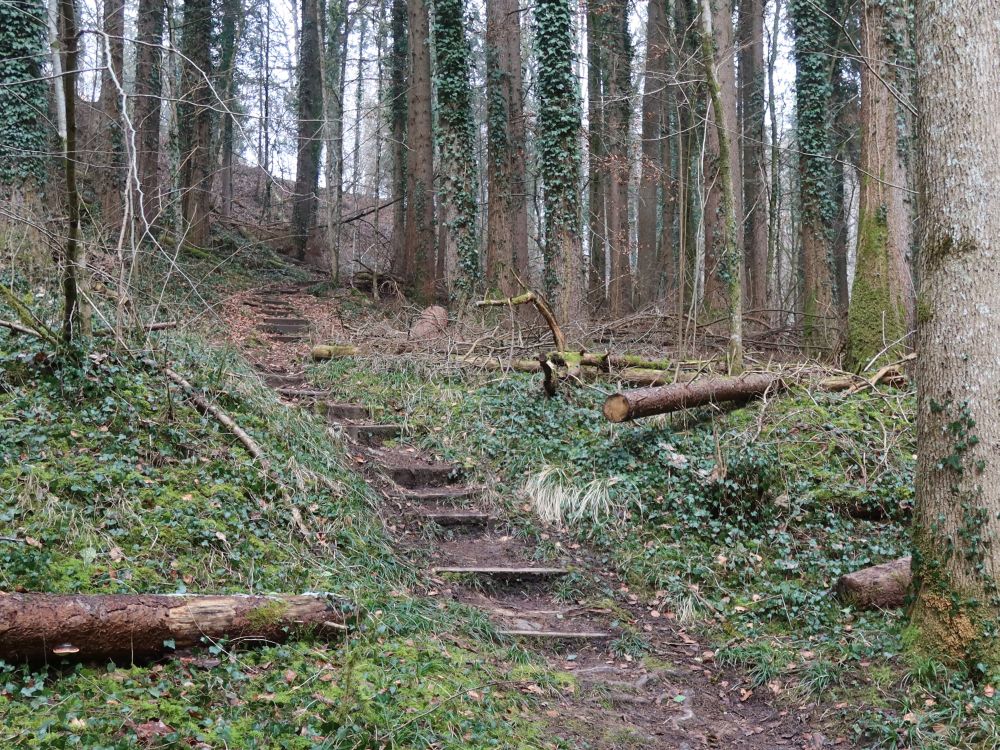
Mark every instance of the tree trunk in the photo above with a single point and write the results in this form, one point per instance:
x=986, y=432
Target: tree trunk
x=655, y=166
x=717, y=273
x=507, y=215
x=878, y=587
x=332, y=74
x=731, y=259
x=419, y=268
x=456, y=139
x=146, y=115
x=597, y=157
x=310, y=126
x=956, y=537
x=195, y=121
x=877, y=317
x=229, y=41
x=751, y=75
x=397, y=126
x=559, y=154
x=112, y=176
x=617, y=112
x=127, y=628
x=645, y=402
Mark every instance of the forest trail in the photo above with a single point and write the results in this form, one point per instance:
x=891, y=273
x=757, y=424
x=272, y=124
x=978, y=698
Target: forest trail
x=470, y=551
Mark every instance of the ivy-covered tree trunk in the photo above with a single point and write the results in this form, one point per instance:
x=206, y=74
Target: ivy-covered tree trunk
x=597, y=154
x=718, y=275
x=751, y=81
x=731, y=259
x=24, y=137
x=559, y=158
x=195, y=118
x=397, y=128
x=507, y=214
x=811, y=29
x=146, y=112
x=955, y=615
x=654, y=256
x=456, y=143
x=419, y=267
x=877, y=317
x=618, y=111
x=310, y=129
x=112, y=172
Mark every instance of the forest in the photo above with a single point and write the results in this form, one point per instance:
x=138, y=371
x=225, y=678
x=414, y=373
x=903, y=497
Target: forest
x=486, y=374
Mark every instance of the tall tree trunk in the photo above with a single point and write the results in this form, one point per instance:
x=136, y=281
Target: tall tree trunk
x=419, y=267
x=229, y=40
x=456, y=137
x=877, y=318
x=751, y=80
x=956, y=537
x=559, y=155
x=774, y=195
x=812, y=42
x=654, y=257
x=332, y=85
x=112, y=178
x=397, y=129
x=597, y=155
x=310, y=126
x=507, y=214
x=731, y=260
x=146, y=115
x=716, y=275
x=195, y=113
x=618, y=110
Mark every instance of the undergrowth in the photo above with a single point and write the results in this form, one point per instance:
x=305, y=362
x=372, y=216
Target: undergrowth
x=740, y=522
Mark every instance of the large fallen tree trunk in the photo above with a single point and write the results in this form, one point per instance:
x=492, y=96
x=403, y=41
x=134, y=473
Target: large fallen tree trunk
x=878, y=587
x=645, y=402
x=126, y=628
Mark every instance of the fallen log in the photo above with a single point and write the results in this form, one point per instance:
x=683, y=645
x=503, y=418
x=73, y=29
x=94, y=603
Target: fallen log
x=645, y=402
x=531, y=298
x=127, y=628
x=878, y=587
x=333, y=351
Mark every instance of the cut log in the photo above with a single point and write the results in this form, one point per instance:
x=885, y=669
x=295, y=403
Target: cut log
x=878, y=587
x=333, y=351
x=127, y=628
x=432, y=323
x=645, y=402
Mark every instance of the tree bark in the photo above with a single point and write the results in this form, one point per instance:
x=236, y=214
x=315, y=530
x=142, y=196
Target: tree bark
x=507, y=214
x=128, y=628
x=878, y=587
x=645, y=402
x=617, y=112
x=397, y=126
x=195, y=116
x=597, y=182
x=877, y=313
x=717, y=273
x=419, y=268
x=956, y=536
x=751, y=82
x=310, y=127
x=112, y=180
x=148, y=89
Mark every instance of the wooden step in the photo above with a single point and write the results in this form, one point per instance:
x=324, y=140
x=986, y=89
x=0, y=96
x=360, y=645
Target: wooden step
x=334, y=411
x=301, y=393
x=413, y=476
x=372, y=433
x=511, y=573
x=285, y=338
x=558, y=635
x=455, y=517
x=285, y=325
x=439, y=494
x=283, y=381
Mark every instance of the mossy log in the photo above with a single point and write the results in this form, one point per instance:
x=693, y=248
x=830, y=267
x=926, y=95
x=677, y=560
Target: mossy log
x=496, y=363
x=878, y=587
x=333, y=351
x=125, y=628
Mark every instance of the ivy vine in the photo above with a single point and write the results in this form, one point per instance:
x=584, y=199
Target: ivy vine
x=24, y=138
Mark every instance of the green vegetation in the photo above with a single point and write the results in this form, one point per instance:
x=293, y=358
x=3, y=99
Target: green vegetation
x=741, y=523
x=111, y=482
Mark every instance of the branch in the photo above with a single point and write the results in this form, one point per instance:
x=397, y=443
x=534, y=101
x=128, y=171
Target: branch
x=541, y=305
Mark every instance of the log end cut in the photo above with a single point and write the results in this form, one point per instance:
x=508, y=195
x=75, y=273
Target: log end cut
x=616, y=408
x=878, y=587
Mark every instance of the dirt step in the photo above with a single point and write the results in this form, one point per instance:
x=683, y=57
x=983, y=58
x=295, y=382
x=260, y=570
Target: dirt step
x=455, y=517
x=559, y=635
x=439, y=494
x=285, y=338
x=285, y=325
x=507, y=573
x=334, y=411
x=414, y=473
x=284, y=381
x=302, y=393
x=372, y=434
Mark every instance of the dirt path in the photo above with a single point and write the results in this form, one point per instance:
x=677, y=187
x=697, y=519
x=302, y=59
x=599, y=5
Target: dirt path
x=671, y=696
